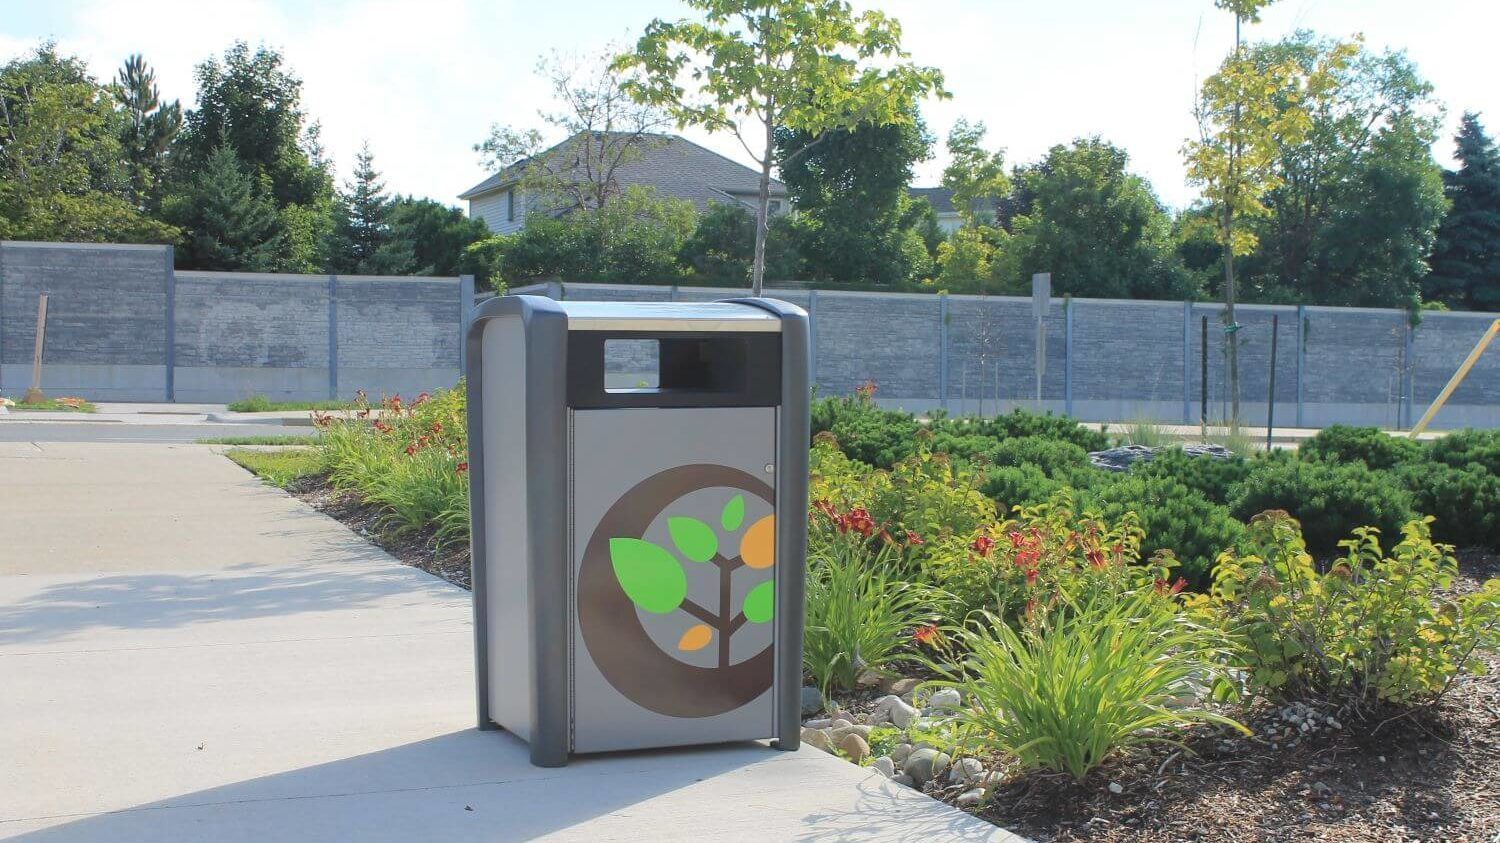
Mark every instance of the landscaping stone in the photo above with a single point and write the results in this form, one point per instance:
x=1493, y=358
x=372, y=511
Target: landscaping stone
x=924, y=764
x=817, y=739
x=945, y=699
x=900, y=686
x=840, y=722
x=812, y=701
x=901, y=714
x=838, y=733
x=965, y=771
x=855, y=747
x=884, y=766
x=819, y=723
x=900, y=753
x=903, y=778
x=1120, y=459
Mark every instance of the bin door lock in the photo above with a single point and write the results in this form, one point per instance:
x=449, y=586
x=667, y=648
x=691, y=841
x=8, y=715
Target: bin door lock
x=770, y=468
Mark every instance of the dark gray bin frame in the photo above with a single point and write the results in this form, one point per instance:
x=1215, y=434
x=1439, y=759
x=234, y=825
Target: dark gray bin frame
x=545, y=327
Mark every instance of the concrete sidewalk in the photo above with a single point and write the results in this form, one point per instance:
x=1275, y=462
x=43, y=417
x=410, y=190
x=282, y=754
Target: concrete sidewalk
x=188, y=655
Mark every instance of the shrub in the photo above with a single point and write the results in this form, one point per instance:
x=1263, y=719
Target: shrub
x=1174, y=517
x=859, y=615
x=865, y=432
x=1466, y=502
x=1072, y=687
x=1213, y=478
x=1328, y=499
x=1019, y=423
x=1376, y=627
x=1019, y=485
x=1053, y=456
x=1370, y=445
x=1463, y=448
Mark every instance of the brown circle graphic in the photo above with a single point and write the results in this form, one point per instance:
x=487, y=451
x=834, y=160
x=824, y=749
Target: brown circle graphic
x=619, y=644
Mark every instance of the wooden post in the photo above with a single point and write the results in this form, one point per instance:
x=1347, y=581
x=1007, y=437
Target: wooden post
x=34, y=394
x=1458, y=378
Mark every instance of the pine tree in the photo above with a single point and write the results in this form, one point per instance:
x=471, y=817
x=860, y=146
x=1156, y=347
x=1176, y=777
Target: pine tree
x=149, y=128
x=232, y=224
x=1466, y=260
x=364, y=231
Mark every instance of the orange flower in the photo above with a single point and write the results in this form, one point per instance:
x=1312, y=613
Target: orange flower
x=982, y=545
x=927, y=634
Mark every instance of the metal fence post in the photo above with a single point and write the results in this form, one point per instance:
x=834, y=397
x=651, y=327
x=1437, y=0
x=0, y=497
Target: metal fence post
x=1187, y=362
x=1068, y=305
x=943, y=350
x=1408, y=382
x=333, y=337
x=170, y=274
x=1301, y=356
x=812, y=338
x=465, y=316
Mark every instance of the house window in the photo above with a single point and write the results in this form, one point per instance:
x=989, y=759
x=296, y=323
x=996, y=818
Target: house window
x=775, y=206
x=510, y=205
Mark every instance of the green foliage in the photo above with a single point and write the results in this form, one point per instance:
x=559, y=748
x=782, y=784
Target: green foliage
x=1370, y=445
x=1098, y=228
x=634, y=239
x=1466, y=259
x=1373, y=628
x=257, y=440
x=1175, y=518
x=1052, y=456
x=1214, y=479
x=859, y=615
x=150, y=126
x=974, y=174
x=1328, y=499
x=1019, y=422
x=230, y=223
x=278, y=468
x=363, y=241
x=435, y=235
x=1019, y=485
x=1075, y=685
x=1465, y=502
x=864, y=431
x=485, y=260
x=849, y=189
x=261, y=404
x=1469, y=447
x=721, y=249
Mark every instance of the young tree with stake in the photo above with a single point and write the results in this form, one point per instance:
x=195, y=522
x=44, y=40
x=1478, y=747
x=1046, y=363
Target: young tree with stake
x=803, y=65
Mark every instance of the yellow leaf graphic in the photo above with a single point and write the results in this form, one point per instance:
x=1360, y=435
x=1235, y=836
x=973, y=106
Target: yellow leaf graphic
x=758, y=547
x=696, y=638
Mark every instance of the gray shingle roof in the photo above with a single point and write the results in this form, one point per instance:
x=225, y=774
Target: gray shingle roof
x=676, y=167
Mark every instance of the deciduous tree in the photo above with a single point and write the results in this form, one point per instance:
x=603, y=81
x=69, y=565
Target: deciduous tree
x=749, y=67
x=975, y=175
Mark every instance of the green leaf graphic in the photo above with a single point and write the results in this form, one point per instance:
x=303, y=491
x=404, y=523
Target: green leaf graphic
x=734, y=513
x=694, y=539
x=760, y=603
x=651, y=577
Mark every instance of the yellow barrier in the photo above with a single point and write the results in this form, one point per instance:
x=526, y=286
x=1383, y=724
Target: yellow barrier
x=1458, y=378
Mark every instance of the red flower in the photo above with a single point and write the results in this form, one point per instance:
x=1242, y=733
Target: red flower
x=858, y=520
x=461, y=468
x=912, y=539
x=382, y=426
x=982, y=545
x=927, y=634
x=1031, y=576
x=411, y=449
x=1176, y=587
x=1095, y=557
x=422, y=398
x=1015, y=538
x=437, y=427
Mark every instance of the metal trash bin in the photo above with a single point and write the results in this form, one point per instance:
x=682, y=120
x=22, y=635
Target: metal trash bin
x=638, y=492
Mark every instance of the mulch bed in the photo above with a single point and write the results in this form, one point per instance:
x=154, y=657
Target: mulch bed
x=1430, y=775
x=1433, y=775
x=418, y=548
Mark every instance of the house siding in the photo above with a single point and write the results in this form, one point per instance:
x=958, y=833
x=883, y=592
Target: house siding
x=493, y=208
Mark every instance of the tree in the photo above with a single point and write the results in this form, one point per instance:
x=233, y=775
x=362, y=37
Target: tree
x=362, y=229
x=61, y=167
x=1357, y=196
x=721, y=249
x=975, y=175
x=603, y=130
x=1097, y=227
x=1242, y=112
x=810, y=66
x=435, y=234
x=635, y=238
x=1466, y=261
x=232, y=224
x=150, y=126
x=850, y=194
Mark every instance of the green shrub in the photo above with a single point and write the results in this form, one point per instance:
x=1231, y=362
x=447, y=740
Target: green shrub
x=865, y=432
x=1329, y=499
x=1019, y=485
x=859, y=615
x=1376, y=627
x=278, y=468
x=1465, y=502
x=1072, y=687
x=1213, y=478
x=1370, y=445
x=1018, y=423
x=1054, y=457
x=1463, y=448
x=1174, y=517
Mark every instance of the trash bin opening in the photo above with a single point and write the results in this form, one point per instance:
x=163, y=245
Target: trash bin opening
x=625, y=369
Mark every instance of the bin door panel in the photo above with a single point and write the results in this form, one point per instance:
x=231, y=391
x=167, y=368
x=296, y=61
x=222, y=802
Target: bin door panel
x=672, y=567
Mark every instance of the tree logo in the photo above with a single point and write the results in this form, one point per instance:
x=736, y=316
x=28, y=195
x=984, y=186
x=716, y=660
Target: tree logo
x=709, y=576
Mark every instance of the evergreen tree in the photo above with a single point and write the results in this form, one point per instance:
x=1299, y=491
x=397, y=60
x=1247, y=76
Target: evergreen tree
x=150, y=126
x=231, y=223
x=1466, y=261
x=363, y=231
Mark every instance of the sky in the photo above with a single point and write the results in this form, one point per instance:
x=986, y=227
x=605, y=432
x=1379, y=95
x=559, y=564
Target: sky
x=422, y=80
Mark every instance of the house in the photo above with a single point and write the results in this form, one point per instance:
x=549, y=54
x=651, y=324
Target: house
x=941, y=199
x=673, y=165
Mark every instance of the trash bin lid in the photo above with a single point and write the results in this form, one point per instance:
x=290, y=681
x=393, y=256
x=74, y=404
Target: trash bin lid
x=668, y=316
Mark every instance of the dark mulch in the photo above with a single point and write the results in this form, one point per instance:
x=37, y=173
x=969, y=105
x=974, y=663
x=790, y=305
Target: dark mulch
x=1433, y=774
x=418, y=548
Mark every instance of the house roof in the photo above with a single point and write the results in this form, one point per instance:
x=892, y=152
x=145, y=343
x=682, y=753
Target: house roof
x=941, y=199
x=674, y=165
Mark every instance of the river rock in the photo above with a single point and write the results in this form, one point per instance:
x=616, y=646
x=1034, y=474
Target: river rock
x=1120, y=459
x=902, y=778
x=817, y=739
x=900, y=686
x=901, y=714
x=969, y=798
x=812, y=701
x=966, y=771
x=945, y=699
x=884, y=766
x=900, y=753
x=924, y=764
x=855, y=747
x=838, y=733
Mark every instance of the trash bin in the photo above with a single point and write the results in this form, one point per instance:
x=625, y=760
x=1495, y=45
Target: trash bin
x=638, y=492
